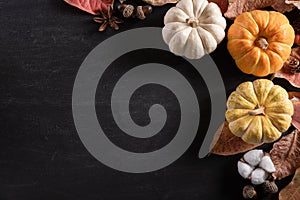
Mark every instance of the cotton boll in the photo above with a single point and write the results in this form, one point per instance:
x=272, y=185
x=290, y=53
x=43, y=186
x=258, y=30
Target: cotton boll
x=267, y=164
x=244, y=169
x=258, y=176
x=253, y=157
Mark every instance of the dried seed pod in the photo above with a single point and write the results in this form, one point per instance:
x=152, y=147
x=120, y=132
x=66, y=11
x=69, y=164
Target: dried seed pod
x=270, y=187
x=143, y=11
x=292, y=65
x=126, y=10
x=139, y=13
x=147, y=9
x=249, y=192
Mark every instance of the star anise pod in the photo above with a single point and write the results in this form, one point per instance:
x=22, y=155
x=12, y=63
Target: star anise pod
x=108, y=19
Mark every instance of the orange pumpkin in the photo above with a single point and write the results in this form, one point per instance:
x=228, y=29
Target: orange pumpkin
x=260, y=41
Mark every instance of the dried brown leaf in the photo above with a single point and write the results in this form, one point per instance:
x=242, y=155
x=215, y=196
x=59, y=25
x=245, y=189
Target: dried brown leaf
x=282, y=7
x=223, y=4
x=225, y=143
x=160, y=2
x=295, y=3
x=285, y=155
x=294, y=79
x=292, y=190
x=240, y=6
x=295, y=97
x=290, y=70
x=91, y=6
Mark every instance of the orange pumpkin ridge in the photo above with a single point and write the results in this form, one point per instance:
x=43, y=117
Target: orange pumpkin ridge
x=264, y=40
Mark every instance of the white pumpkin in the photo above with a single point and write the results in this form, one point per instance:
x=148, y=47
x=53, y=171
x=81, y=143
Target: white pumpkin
x=193, y=28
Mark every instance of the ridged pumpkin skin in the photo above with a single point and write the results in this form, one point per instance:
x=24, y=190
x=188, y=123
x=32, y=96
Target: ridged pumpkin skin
x=193, y=28
x=259, y=111
x=260, y=41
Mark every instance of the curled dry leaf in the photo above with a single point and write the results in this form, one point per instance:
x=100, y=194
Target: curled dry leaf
x=295, y=98
x=225, y=143
x=160, y=2
x=91, y=6
x=292, y=190
x=291, y=68
x=282, y=7
x=295, y=3
x=223, y=4
x=240, y=6
x=285, y=155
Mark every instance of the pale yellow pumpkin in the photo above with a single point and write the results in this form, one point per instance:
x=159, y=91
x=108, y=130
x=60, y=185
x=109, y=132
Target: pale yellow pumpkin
x=259, y=111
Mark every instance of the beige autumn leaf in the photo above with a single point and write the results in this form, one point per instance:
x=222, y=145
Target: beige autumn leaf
x=295, y=98
x=290, y=69
x=225, y=143
x=292, y=190
x=160, y=2
x=223, y=4
x=282, y=6
x=295, y=3
x=91, y=6
x=285, y=155
x=239, y=6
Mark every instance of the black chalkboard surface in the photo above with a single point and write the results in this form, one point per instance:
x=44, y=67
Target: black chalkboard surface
x=43, y=44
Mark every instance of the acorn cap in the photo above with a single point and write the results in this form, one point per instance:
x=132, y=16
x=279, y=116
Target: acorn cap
x=127, y=10
x=249, y=192
x=270, y=187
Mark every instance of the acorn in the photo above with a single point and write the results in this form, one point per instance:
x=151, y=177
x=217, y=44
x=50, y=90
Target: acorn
x=147, y=9
x=249, y=192
x=270, y=187
x=126, y=9
x=143, y=11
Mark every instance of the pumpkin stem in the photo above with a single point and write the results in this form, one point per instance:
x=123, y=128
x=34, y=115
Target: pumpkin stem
x=260, y=110
x=262, y=43
x=193, y=22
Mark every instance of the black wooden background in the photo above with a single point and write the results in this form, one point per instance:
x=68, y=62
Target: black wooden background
x=43, y=43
